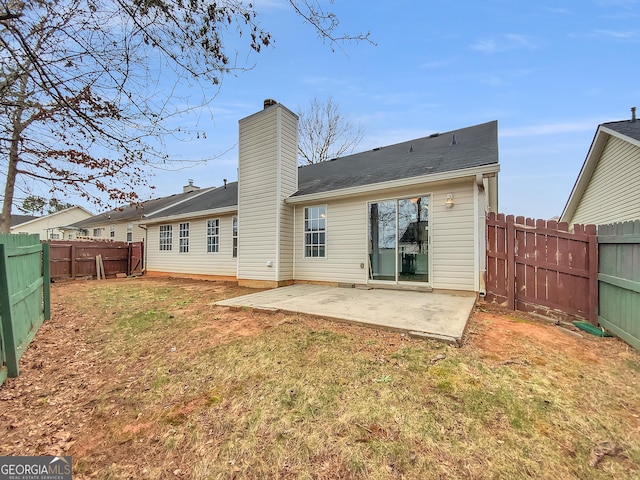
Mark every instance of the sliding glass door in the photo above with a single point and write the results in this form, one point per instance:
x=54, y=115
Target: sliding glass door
x=399, y=240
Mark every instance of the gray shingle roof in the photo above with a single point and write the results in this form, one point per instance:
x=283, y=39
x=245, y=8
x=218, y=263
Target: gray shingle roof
x=216, y=198
x=474, y=146
x=130, y=213
x=625, y=127
x=20, y=219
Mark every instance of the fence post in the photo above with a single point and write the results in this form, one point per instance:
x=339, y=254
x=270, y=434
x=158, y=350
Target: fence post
x=511, y=263
x=73, y=261
x=8, y=333
x=46, y=280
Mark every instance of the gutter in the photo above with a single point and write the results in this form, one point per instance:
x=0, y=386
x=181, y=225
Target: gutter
x=197, y=214
x=488, y=170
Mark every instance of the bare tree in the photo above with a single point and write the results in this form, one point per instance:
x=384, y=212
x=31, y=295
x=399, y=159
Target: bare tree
x=84, y=98
x=323, y=133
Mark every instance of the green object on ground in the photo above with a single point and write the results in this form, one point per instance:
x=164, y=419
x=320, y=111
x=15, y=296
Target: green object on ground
x=592, y=329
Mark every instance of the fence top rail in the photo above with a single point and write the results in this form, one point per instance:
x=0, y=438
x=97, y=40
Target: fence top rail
x=620, y=228
x=548, y=227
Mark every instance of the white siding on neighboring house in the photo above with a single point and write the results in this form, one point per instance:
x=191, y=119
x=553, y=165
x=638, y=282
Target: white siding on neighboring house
x=267, y=173
x=453, y=237
x=49, y=226
x=612, y=194
x=198, y=260
x=138, y=233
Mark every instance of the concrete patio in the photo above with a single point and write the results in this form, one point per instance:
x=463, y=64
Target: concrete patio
x=440, y=316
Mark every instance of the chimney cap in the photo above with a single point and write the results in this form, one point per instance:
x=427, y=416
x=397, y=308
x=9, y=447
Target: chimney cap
x=269, y=102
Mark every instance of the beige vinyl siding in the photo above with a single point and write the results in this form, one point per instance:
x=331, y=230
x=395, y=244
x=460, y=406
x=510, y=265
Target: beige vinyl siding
x=453, y=240
x=346, y=244
x=612, y=194
x=197, y=261
x=257, y=196
x=267, y=152
x=288, y=186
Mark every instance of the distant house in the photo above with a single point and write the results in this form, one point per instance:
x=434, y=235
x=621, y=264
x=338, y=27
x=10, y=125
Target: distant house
x=410, y=215
x=123, y=224
x=49, y=227
x=608, y=187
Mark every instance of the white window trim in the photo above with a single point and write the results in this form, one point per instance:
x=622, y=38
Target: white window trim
x=216, y=235
x=304, y=233
x=183, y=240
x=234, y=236
x=169, y=237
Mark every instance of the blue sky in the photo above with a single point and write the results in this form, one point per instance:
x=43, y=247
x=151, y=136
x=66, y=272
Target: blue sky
x=549, y=72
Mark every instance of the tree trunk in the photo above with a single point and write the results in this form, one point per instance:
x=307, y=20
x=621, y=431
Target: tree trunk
x=17, y=127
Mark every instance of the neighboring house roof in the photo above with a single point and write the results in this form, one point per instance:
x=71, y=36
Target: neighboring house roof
x=461, y=149
x=627, y=130
x=436, y=154
x=20, y=219
x=135, y=212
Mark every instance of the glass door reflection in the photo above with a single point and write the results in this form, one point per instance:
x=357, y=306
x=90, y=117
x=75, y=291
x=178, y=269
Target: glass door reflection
x=399, y=240
x=413, y=239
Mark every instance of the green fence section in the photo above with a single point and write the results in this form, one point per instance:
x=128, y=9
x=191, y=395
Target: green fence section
x=24, y=296
x=619, y=280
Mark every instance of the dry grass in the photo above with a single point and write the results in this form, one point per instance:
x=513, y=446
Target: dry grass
x=198, y=391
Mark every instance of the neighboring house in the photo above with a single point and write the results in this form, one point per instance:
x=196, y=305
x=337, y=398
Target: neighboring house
x=608, y=187
x=123, y=224
x=50, y=227
x=410, y=215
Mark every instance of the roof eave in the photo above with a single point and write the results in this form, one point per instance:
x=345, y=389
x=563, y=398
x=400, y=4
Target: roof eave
x=588, y=166
x=197, y=214
x=403, y=182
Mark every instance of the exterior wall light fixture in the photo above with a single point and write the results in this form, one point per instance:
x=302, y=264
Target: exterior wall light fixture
x=449, y=201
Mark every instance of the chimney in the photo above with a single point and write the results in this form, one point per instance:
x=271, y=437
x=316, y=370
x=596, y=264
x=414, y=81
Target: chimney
x=269, y=102
x=633, y=114
x=190, y=188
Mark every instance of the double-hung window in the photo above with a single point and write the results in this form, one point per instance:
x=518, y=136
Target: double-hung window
x=129, y=232
x=235, y=237
x=315, y=231
x=184, y=238
x=166, y=237
x=112, y=231
x=213, y=235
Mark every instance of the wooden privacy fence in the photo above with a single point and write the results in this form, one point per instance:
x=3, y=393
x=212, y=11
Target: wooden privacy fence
x=539, y=266
x=77, y=259
x=24, y=296
x=619, y=280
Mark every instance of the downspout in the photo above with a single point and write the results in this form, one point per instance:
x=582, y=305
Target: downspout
x=144, y=247
x=481, y=205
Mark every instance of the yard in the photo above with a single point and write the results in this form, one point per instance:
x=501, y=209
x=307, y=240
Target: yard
x=145, y=378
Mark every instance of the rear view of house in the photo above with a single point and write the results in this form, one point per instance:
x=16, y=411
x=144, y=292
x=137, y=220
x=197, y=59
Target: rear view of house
x=410, y=215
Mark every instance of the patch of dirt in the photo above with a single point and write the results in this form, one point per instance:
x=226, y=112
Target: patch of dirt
x=499, y=334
